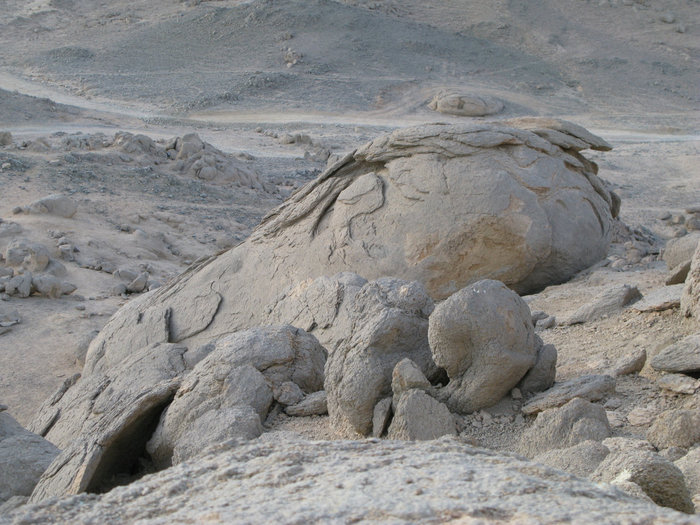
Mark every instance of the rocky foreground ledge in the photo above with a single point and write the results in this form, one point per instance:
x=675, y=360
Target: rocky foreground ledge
x=283, y=479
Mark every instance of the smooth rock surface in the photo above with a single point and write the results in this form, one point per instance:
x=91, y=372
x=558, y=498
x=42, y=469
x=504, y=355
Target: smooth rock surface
x=420, y=417
x=606, y=304
x=315, y=404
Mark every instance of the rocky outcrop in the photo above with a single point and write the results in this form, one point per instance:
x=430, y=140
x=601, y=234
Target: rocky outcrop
x=465, y=105
x=402, y=482
x=524, y=207
x=484, y=339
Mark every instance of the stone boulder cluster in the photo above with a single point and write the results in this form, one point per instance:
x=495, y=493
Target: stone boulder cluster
x=385, y=294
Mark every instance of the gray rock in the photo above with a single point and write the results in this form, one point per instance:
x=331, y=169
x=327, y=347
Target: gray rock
x=382, y=417
x=675, y=428
x=288, y=393
x=59, y=205
x=683, y=356
x=678, y=383
x=630, y=363
x=315, y=404
x=390, y=323
x=678, y=274
x=660, y=479
x=543, y=373
x=580, y=460
x=465, y=105
x=690, y=300
x=361, y=481
x=590, y=387
x=608, y=303
x=216, y=426
x=20, y=285
x=24, y=457
x=380, y=211
x=25, y=254
x=50, y=286
x=689, y=465
x=5, y=138
x=483, y=337
x=661, y=299
x=9, y=316
x=244, y=369
x=419, y=417
x=407, y=375
x=680, y=250
x=11, y=504
x=575, y=422
x=138, y=285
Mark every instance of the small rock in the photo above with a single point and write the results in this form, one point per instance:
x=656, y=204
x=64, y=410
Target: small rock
x=381, y=417
x=580, y=460
x=668, y=17
x=5, y=139
x=545, y=324
x=590, y=387
x=118, y=289
x=641, y=416
x=678, y=383
x=630, y=363
x=689, y=464
x=683, y=356
x=678, y=274
x=661, y=299
x=58, y=205
x=20, y=285
x=406, y=375
x=542, y=375
x=420, y=417
x=675, y=428
x=9, y=316
x=312, y=405
x=608, y=303
x=288, y=393
x=138, y=285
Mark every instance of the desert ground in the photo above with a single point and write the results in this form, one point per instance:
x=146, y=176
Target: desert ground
x=98, y=100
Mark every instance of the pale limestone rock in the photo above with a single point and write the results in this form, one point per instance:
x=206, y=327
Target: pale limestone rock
x=590, y=387
x=419, y=417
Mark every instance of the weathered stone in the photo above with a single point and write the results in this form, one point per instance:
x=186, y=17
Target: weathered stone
x=630, y=363
x=465, y=105
x=678, y=383
x=20, y=285
x=400, y=482
x=543, y=373
x=287, y=393
x=608, y=303
x=104, y=421
x=390, y=322
x=381, y=417
x=380, y=211
x=59, y=205
x=675, y=428
x=483, y=337
x=419, y=417
x=683, y=356
x=575, y=422
x=138, y=285
x=407, y=375
x=678, y=274
x=680, y=250
x=9, y=316
x=660, y=479
x=216, y=426
x=641, y=416
x=689, y=465
x=590, y=387
x=690, y=300
x=315, y=404
x=580, y=459
x=661, y=299
x=24, y=457
x=30, y=255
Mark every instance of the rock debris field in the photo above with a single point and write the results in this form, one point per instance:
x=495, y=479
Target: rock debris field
x=344, y=261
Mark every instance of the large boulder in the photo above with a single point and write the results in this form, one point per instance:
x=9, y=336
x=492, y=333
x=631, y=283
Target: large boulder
x=24, y=456
x=283, y=480
x=484, y=339
x=389, y=320
x=229, y=392
x=445, y=205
